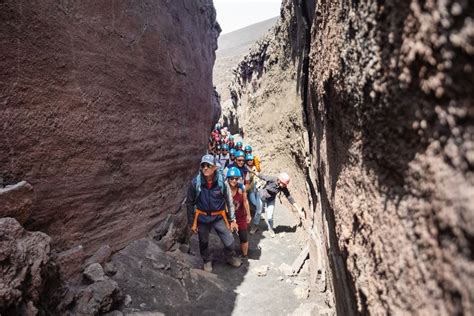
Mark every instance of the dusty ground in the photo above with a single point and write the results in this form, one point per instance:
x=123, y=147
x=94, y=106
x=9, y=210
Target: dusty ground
x=173, y=282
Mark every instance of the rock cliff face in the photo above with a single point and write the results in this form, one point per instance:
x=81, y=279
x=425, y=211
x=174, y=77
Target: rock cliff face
x=104, y=107
x=267, y=104
x=387, y=101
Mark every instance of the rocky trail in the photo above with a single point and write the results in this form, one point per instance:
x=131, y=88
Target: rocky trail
x=173, y=282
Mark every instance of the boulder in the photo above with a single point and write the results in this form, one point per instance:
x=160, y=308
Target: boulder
x=24, y=260
x=16, y=201
x=94, y=273
x=99, y=297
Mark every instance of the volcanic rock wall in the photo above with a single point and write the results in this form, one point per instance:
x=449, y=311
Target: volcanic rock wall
x=105, y=107
x=267, y=104
x=387, y=102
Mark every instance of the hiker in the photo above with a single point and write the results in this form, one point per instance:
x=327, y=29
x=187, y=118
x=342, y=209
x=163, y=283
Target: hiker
x=208, y=197
x=241, y=206
x=218, y=151
x=224, y=157
x=239, y=163
x=267, y=194
x=238, y=146
x=231, y=157
x=231, y=142
x=256, y=159
x=252, y=191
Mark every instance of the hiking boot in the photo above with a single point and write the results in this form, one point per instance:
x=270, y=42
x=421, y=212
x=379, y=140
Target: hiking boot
x=253, y=230
x=272, y=233
x=208, y=266
x=234, y=261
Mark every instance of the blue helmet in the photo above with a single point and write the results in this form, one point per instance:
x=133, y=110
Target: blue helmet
x=231, y=137
x=239, y=153
x=218, y=126
x=249, y=157
x=225, y=147
x=238, y=144
x=232, y=151
x=233, y=172
x=219, y=147
x=248, y=148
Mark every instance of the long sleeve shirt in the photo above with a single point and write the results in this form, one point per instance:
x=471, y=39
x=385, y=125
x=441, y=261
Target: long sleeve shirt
x=210, y=199
x=269, y=192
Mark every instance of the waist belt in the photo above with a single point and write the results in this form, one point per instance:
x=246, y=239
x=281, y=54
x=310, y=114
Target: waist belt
x=216, y=213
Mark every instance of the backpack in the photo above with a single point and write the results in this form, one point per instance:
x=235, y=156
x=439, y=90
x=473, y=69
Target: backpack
x=256, y=163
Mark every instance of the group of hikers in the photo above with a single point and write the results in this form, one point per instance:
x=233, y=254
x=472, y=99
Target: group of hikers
x=220, y=195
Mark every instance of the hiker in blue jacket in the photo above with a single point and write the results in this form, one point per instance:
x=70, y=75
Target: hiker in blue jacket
x=209, y=196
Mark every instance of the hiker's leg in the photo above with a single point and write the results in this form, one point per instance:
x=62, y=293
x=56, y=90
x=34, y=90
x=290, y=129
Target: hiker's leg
x=270, y=207
x=252, y=198
x=203, y=233
x=258, y=210
x=226, y=237
x=244, y=242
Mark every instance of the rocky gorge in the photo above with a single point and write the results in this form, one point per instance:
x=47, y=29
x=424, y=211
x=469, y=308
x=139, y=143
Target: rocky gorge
x=106, y=106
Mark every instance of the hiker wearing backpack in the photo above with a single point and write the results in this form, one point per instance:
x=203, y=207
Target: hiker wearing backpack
x=273, y=186
x=256, y=159
x=241, y=206
x=239, y=163
x=208, y=197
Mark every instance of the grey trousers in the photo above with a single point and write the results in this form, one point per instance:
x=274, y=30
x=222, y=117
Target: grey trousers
x=224, y=234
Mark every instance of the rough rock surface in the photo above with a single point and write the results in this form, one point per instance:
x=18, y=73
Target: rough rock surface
x=94, y=97
x=16, y=201
x=391, y=123
x=24, y=260
x=266, y=103
x=387, y=102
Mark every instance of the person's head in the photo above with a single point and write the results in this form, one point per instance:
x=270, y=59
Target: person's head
x=232, y=154
x=238, y=145
x=225, y=149
x=231, y=138
x=233, y=176
x=283, y=179
x=240, y=158
x=218, y=149
x=249, y=160
x=248, y=149
x=218, y=126
x=208, y=165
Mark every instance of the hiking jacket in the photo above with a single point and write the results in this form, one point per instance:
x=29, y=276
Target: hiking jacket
x=209, y=200
x=269, y=192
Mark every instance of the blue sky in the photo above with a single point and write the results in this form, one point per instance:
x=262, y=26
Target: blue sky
x=236, y=14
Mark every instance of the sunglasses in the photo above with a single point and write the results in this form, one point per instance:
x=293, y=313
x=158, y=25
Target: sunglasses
x=233, y=178
x=239, y=160
x=206, y=165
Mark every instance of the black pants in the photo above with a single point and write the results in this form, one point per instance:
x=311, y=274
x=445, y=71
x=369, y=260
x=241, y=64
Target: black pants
x=224, y=234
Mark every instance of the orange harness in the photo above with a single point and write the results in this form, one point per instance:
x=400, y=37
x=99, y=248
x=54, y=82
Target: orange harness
x=199, y=212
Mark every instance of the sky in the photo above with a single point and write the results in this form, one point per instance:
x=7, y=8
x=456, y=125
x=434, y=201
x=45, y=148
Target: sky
x=236, y=14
